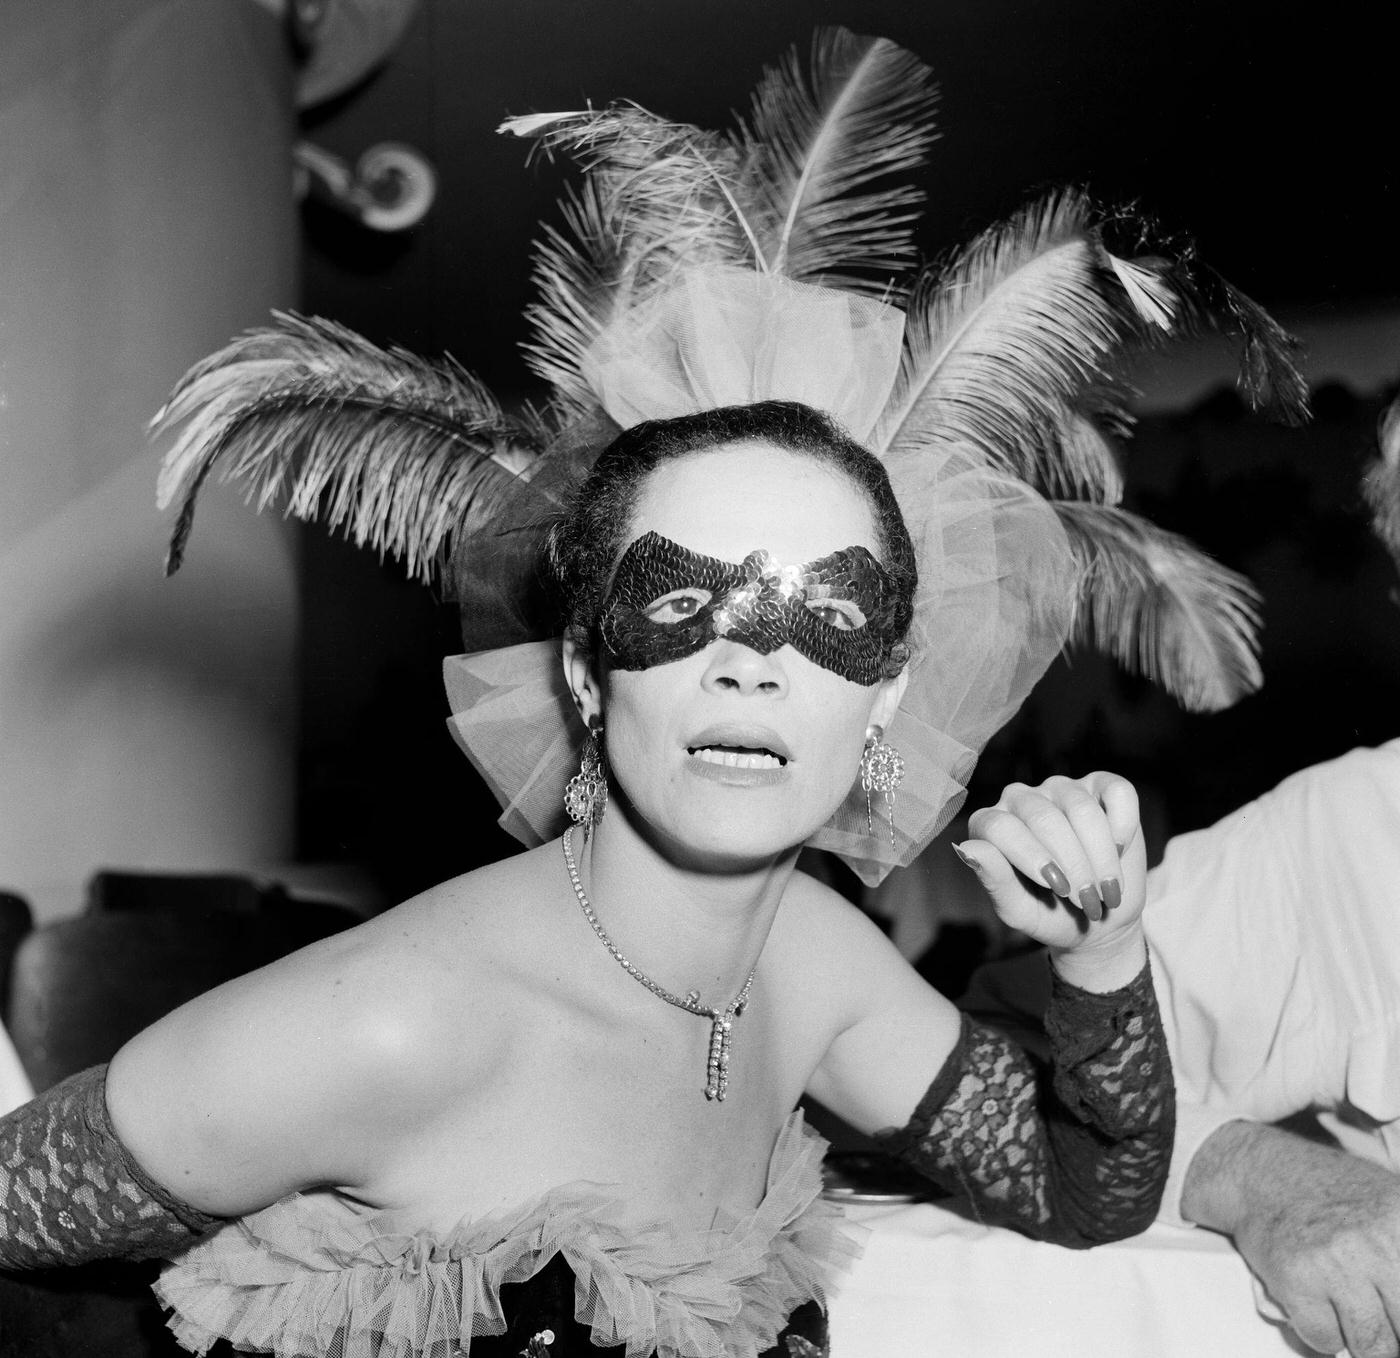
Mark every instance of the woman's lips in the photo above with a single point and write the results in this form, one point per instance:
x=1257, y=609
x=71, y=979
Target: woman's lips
x=738, y=755
x=738, y=759
x=738, y=775
x=733, y=744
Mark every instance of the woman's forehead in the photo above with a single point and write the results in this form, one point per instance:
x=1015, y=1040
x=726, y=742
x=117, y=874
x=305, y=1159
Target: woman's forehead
x=735, y=499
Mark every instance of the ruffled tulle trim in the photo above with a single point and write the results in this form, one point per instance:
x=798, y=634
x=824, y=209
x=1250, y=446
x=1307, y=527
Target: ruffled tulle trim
x=316, y=1275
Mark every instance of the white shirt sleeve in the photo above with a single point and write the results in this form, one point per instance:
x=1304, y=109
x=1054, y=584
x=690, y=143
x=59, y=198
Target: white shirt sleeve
x=1275, y=941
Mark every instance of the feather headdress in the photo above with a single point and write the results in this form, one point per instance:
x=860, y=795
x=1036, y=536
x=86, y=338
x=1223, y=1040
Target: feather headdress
x=1005, y=396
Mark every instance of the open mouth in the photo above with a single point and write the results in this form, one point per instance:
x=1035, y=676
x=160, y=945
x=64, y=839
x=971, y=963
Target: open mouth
x=737, y=756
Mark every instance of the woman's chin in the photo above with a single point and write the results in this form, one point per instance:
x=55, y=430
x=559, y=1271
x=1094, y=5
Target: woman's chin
x=734, y=839
x=725, y=825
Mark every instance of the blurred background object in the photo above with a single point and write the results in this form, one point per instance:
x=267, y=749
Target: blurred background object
x=146, y=211
x=146, y=153
x=79, y=987
x=389, y=188
x=338, y=43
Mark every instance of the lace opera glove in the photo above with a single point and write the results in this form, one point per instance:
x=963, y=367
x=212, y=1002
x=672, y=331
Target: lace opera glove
x=1078, y=1154
x=70, y=1192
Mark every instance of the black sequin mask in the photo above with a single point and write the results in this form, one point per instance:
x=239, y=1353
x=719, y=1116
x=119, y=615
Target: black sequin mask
x=667, y=602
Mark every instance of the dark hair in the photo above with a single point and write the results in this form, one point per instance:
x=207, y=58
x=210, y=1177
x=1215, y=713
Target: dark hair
x=583, y=548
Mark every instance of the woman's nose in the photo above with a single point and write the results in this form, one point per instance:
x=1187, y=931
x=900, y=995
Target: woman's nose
x=734, y=667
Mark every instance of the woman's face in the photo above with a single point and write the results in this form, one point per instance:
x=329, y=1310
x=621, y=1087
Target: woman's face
x=727, y=754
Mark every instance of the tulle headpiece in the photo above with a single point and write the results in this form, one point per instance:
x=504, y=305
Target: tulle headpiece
x=996, y=573
x=721, y=336
x=697, y=270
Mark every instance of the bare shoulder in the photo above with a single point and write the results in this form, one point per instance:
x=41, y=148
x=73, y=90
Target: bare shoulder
x=825, y=921
x=444, y=936
x=387, y=985
x=417, y=938
x=308, y=1069
x=825, y=935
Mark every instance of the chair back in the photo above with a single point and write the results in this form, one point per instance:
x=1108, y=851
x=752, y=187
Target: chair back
x=81, y=987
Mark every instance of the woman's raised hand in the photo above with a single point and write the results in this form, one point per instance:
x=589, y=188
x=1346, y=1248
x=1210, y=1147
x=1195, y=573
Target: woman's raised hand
x=1065, y=863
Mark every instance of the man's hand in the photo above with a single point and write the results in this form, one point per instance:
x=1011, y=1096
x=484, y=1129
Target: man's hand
x=1319, y=1228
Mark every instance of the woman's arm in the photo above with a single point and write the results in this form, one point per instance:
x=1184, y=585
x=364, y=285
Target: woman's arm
x=1077, y=1152
x=306, y=1073
x=70, y=1191
x=291, y=1077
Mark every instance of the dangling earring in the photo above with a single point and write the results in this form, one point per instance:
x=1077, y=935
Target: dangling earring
x=881, y=770
x=586, y=793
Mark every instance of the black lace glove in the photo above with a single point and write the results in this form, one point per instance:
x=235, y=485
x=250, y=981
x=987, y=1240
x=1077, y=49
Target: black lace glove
x=1078, y=1154
x=70, y=1192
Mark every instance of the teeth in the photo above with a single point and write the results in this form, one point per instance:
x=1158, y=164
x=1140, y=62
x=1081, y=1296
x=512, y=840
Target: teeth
x=735, y=759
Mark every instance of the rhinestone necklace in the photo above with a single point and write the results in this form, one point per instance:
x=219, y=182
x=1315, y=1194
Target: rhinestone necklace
x=721, y=1020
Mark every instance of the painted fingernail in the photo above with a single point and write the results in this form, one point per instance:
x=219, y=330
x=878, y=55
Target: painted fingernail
x=1111, y=892
x=1090, y=904
x=1051, y=875
x=967, y=858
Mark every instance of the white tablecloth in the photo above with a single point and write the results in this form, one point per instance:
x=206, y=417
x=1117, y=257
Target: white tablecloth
x=934, y=1284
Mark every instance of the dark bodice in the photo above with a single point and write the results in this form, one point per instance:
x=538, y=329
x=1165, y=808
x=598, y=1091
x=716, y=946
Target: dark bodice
x=541, y=1324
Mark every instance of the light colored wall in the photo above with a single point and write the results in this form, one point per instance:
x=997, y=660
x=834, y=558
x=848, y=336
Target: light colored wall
x=145, y=216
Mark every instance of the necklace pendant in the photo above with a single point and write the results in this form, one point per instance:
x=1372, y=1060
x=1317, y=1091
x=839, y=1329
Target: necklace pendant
x=717, y=1067
x=721, y=1020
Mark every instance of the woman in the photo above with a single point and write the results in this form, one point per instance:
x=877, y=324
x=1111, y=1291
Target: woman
x=549, y=1106
x=486, y=1083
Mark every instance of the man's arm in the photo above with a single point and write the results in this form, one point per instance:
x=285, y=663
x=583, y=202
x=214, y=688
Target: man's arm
x=1319, y=1228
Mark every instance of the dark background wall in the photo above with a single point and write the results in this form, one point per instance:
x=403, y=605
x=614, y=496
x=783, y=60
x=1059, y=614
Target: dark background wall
x=1270, y=140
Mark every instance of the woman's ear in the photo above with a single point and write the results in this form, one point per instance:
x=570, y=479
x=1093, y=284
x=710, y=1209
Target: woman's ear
x=888, y=696
x=581, y=675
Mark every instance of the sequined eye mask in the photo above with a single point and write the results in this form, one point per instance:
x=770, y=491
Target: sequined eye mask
x=667, y=602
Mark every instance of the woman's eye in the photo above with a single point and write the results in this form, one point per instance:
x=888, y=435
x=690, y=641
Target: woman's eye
x=841, y=614
x=677, y=606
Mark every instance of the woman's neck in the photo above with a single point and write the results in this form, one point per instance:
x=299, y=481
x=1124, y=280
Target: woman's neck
x=689, y=927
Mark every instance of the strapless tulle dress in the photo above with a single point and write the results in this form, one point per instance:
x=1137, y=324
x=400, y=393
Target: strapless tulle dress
x=571, y=1272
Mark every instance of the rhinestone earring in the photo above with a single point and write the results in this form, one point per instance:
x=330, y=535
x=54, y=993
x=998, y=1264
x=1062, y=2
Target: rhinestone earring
x=586, y=793
x=881, y=770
